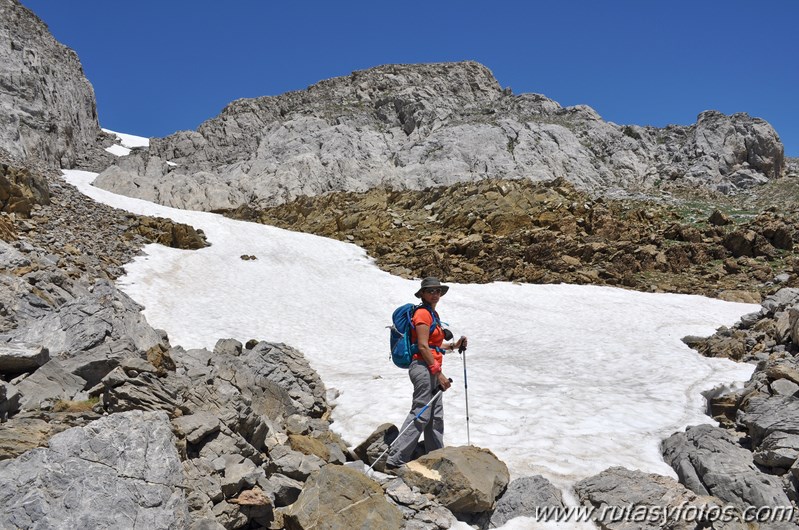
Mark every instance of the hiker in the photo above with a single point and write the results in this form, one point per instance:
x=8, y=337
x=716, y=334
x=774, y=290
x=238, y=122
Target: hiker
x=426, y=376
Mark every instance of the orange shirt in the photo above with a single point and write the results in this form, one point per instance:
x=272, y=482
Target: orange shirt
x=423, y=316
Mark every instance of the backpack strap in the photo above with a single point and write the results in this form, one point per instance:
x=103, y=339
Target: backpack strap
x=436, y=322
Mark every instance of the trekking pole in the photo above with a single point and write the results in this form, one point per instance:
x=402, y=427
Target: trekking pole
x=462, y=351
x=405, y=429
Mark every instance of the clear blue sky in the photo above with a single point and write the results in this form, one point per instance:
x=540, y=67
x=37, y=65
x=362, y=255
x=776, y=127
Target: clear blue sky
x=158, y=66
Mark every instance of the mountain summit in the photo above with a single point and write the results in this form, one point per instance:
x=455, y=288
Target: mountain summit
x=414, y=126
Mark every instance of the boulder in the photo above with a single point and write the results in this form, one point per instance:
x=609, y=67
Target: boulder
x=284, y=490
x=7, y=230
x=10, y=257
x=255, y=505
x=741, y=243
x=784, y=387
x=287, y=368
x=719, y=218
x=123, y=390
x=626, y=500
x=294, y=464
x=243, y=475
x=47, y=385
x=340, y=497
x=466, y=479
x=171, y=234
x=227, y=347
x=91, y=329
x=20, y=357
x=203, y=486
x=375, y=444
x=119, y=469
x=309, y=446
x=523, y=496
x=793, y=327
x=195, y=427
x=709, y=461
x=773, y=426
x=783, y=298
x=21, y=189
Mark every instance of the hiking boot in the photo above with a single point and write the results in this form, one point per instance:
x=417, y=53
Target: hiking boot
x=393, y=469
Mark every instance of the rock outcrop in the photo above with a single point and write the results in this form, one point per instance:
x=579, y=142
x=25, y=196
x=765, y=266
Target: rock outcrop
x=122, y=471
x=765, y=411
x=339, y=497
x=21, y=189
x=709, y=461
x=523, y=497
x=625, y=499
x=415, y=126
x=49, y=112
x=516, y=230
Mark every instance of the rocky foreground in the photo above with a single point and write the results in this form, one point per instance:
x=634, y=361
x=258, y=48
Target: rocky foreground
x=106, y=424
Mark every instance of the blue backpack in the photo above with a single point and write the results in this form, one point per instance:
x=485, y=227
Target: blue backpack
x=402, y=349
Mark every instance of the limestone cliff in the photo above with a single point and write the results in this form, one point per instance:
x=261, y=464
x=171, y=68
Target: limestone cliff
x=47, y=106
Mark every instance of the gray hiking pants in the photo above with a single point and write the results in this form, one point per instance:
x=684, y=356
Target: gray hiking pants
x=431, y=423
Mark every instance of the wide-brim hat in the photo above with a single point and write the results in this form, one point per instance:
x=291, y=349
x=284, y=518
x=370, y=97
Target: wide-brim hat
x=431, y=282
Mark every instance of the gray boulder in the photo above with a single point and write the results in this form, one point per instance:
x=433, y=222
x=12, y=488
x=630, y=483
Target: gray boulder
x=49, y=384
x=121, y=471
x=523, y=496
x=49, y=110
x=710, y=462
x=287, y=368
x=773, y=425
x=90, y=328
x=284, y=490
x=18, y=357
x=11, y=258
x=122, y=390
x=242, y=475
x=103, y=316
x=195, y=427
x=228, y=347
x=376, y=444
x=783, y=298
x=627, y=500
x=294, y=464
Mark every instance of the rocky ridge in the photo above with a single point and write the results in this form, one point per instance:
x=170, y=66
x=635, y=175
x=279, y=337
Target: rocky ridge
x=416, y=126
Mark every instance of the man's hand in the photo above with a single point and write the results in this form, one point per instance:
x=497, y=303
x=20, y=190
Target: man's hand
x=443, y=382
